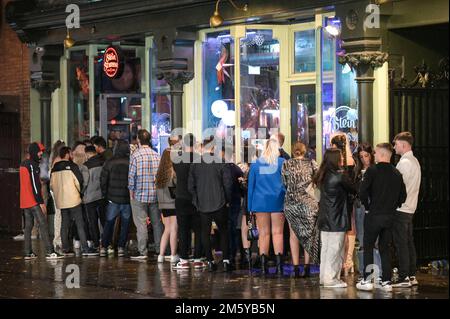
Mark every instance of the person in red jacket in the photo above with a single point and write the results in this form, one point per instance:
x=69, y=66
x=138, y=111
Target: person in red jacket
x=32, y=203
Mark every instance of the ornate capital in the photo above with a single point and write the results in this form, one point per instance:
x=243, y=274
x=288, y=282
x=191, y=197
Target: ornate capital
x=374, y=59
x=178, y=78
x=45, y=87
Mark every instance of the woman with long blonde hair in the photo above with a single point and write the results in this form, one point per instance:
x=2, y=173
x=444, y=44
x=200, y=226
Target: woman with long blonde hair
x=266, y=199
x=165, y=192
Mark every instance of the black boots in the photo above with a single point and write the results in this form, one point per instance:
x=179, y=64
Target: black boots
x=306, y=271
x=296, y=273
x=247, y=258
x=279, y=265
x=264, y=267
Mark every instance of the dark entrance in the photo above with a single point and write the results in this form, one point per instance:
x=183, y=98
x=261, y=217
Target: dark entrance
x=424, y=112
x=10, y=216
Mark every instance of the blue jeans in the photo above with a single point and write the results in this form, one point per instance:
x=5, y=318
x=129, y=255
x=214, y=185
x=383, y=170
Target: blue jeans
x=113, y=210
x=360, y=213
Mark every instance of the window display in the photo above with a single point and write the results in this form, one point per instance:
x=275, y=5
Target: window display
x=305, y=51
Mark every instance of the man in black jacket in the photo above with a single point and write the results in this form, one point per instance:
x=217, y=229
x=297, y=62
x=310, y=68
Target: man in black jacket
x=114, y=186
x=210, y=184
x=382, y=191
x=188, y=218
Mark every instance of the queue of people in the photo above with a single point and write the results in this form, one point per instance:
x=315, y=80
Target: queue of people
x=351, y=200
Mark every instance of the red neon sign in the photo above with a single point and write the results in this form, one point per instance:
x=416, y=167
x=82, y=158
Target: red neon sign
x=111, y=62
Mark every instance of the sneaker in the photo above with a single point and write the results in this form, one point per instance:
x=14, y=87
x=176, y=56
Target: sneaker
x=413, y=281
x=167, y=257
x=212, y=266
x=103, y=252
x=19, y=237
x=139, y=256
x=340, y=284
x=174, y=259
x=198, y=264
x=76, y=244
x=90, y=252
x=386, y=286
x=182, y=265
x=90, y=244
x=227, y=266
x=160, y=258
x=54, y=255
x=110, y=251
x=121, y=252
x=405, y=283
x=364, y=285
x=30, y=256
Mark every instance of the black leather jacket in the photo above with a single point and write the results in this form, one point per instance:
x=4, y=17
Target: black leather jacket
x=334, y=191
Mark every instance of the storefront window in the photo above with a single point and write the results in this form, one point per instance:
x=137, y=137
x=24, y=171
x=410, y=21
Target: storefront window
x=218, y=82
x=118, y=100
x=78, y=97
x=339, y=96
x=305, y=51
x=160, y=108
x=260, y=95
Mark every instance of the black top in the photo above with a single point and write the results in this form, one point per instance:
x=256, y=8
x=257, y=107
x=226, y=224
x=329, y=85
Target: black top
x=114, y=179
x=210, y=184
x=382, y=189
x=334, y=192
x=235, y=173
x=182, y=165
x=283, y=154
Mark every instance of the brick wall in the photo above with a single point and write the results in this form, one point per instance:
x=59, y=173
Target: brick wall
x=15, y=74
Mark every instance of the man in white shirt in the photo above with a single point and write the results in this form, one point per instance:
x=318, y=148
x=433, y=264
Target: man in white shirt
x=402, y=230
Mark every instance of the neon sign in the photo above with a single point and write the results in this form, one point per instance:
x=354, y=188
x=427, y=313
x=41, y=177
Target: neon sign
x=344, y=119
x=112, y=64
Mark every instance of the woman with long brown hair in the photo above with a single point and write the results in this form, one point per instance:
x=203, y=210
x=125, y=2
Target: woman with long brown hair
x=340, y=141
x=333, y=220
x=165, y=192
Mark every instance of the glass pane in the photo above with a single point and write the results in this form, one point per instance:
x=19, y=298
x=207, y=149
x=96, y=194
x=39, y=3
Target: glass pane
x=128, y=82
x=160, y=106
x=305, y=51
x=339, y=96
x=304, y=117
x=78, y=97
x=260, y=95
x=218, y=83
x=123, y=118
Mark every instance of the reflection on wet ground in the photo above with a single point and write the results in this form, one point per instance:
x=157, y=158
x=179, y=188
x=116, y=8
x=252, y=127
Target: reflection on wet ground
x=124, y=278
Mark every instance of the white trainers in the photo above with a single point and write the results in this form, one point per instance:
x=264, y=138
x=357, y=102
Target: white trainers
x=386, y=286
x=413, y=281
x=160, y=258
x=340, y=284
x=19, y=237
x=364, y=285
x=174, y=259
x=182, y=265
x=405, y=283
x=76, y=244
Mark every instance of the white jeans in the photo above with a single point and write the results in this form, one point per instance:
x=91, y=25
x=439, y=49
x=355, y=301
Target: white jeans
x=57, y=225
x=331, y=257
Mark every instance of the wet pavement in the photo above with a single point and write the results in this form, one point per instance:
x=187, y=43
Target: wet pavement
x=123, y=278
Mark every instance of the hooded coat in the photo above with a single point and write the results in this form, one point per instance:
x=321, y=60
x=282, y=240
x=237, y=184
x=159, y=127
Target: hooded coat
x=30, y=182
x=114, y=176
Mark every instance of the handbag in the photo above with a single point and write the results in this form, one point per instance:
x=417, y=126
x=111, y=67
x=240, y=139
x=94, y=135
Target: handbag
x=252, y=233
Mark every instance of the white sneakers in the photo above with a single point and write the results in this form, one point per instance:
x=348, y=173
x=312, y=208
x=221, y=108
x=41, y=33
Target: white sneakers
x=173, y=259
x=413, y=281
x=160, y=258
x=369, y=286
x=364, y=285
x=339, y=284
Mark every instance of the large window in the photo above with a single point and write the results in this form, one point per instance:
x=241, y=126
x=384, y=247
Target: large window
x=260, y=82
x=218, y=83
x=339, y=95
x=305, y=51
x=78, y=97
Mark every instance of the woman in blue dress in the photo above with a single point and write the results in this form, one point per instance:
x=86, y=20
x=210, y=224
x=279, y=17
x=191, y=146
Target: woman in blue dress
x=266, y=194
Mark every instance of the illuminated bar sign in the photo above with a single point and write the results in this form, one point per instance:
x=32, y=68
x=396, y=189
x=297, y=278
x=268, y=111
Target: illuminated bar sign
x=112, y=62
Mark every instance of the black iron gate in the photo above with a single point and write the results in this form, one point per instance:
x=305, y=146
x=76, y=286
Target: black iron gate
x=424, y=112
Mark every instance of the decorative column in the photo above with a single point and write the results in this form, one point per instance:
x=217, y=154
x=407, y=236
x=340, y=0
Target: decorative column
x=364, y=63
x=45, y=89
x=176, y=80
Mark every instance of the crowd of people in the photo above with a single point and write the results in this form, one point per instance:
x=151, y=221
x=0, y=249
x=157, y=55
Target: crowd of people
x=195, y=202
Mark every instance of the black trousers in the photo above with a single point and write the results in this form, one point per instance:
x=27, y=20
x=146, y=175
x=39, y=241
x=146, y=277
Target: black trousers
x=402, y=231
x=188, y=220
x=67, y=215
x=30, y=215
x=220, y=217
x=378, y=226
x=94, y=212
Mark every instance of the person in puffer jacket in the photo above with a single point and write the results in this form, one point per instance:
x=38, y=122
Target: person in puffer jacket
x=114, y=187
x=92, y=194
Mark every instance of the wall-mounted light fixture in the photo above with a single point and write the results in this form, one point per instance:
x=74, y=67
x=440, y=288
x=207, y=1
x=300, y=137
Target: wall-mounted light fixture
x=68, y=41
x=216, y=19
